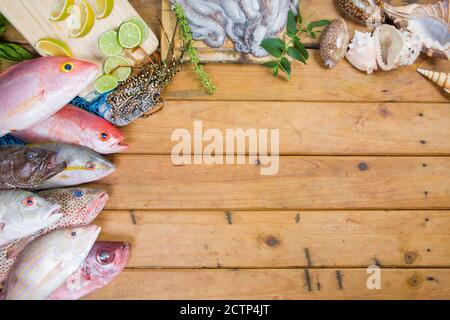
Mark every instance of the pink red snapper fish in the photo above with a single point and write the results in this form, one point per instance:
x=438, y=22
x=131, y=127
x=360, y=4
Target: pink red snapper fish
x=46, y=263
x=104, y=262
x=23, y=213
x=76, y=126
x=26, y=167
x=33, y=90
x=83, y=165
x=79, y=207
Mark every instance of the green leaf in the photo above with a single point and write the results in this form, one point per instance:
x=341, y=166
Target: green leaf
x=3, y=21
x=275, y=71
x=291, y=23
x=2, y=30
x=270, y=64
x=14, y=52
x=312, y=35
x=295, y=53
x=300, y=47
x=273, y=46
x=286, y=66
x=319, y=23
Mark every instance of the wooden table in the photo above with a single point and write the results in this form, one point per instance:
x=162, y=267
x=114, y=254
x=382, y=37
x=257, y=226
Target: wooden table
x=364, y=179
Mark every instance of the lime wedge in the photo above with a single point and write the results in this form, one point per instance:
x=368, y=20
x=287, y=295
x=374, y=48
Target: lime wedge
x=142, y=27
x=129, y=35
x=103, y=8
x=121, y=74
x=105, y=83
x=60, y=9
x=52, y=47
x=109, y=44
x=81, y=19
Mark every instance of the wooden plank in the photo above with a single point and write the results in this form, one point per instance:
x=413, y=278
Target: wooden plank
x=221, y=239
x=306, y=128
x=276, y=284
x=312, y=83
x=154, y=182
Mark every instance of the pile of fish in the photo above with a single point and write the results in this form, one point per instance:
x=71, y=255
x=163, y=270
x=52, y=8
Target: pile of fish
x=245, y=22
x=413, y=29
x=48, y=244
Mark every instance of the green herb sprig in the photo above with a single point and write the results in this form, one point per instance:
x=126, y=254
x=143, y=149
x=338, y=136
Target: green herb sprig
x=186, y=36
x=292, y=46
x=11, y=51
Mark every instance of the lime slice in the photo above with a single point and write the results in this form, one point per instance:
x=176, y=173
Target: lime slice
x=129, y=35
x=81, y=19
x=112, y=63
x=109, y=44
x=103, y=8
x=52, y=47
x=60, y=9
x=142, y=27
x=105, y=83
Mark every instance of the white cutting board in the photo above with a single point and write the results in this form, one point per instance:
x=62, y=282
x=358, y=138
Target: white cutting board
x=31, y=18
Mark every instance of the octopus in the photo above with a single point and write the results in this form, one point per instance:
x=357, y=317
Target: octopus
x=245, y=22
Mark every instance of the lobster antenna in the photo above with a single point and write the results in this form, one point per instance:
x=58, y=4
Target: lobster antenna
x=172, y=44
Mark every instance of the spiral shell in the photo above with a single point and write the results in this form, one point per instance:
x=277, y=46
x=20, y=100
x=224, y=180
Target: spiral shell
x=367, y=12
x=439, y=10
x=442, y=79
x=334, y=42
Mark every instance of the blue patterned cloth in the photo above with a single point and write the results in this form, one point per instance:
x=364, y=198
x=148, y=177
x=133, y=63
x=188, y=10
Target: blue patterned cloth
x=91, y=104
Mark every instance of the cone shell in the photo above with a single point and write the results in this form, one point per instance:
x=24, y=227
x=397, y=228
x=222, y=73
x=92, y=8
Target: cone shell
x=334, y=43
x=442, y=79
x=367, y=12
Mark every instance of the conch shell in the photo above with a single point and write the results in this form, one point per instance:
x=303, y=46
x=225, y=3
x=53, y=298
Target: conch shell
x=439, y=10
x=395, y=48
x=334, y=42
x=440, y=78
x=430, y=29
x=362, y=53
x=367, y=12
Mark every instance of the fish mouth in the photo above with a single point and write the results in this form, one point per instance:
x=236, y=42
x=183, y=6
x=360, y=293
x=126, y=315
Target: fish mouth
x=53, y=168
x=54, y=213
x=97, y=205
x=119, y=146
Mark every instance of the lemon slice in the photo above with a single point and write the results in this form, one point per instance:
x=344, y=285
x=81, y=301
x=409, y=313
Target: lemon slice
x=129, y=35
x=122, y=73
x=53, y=47
x=103, y=8
x=81, y=19
x=60, y=9
x=105, y=83
x=142, y=27
x=109, y=44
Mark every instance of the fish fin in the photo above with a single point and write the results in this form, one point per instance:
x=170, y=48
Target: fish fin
x=14, y=251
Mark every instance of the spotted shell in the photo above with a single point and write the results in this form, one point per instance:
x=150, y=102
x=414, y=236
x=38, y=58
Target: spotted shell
x=367, y=12
x=334, y=42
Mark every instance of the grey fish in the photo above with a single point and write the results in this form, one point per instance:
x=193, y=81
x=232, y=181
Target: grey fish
x=26, y=167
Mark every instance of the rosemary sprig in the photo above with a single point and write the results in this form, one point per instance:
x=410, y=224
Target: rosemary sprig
x=293, y=47
x=186, y=36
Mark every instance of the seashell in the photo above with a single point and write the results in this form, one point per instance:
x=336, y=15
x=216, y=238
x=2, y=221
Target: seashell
x=439, y=10
x=367, y=12
x=432, y=31
x=334, y=42
x=395, y=48
x=440, y=78
x=389, y=45
x=362, y=53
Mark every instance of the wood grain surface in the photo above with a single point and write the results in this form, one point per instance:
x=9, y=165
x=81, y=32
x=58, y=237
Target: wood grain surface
x=363, y=180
